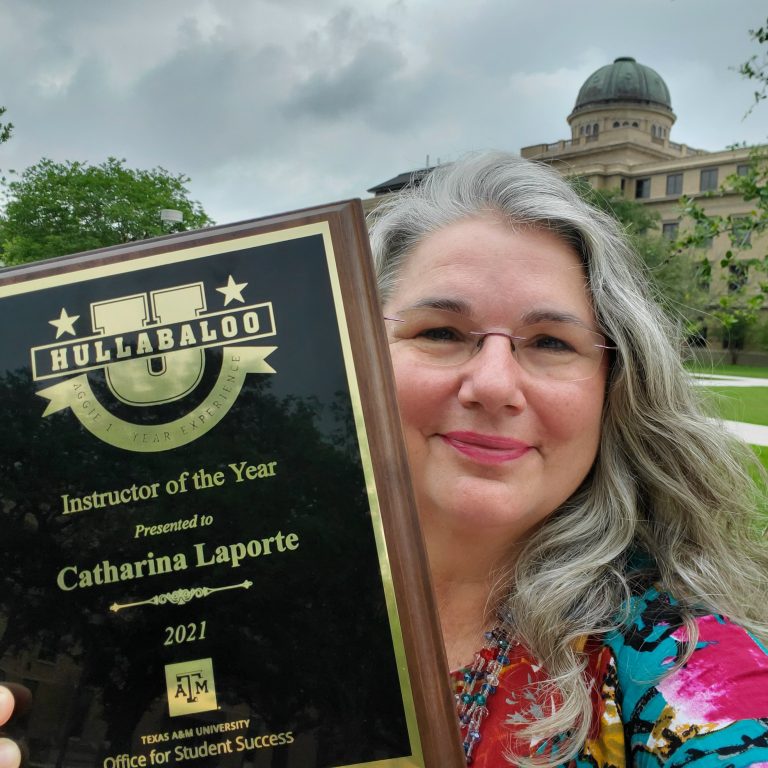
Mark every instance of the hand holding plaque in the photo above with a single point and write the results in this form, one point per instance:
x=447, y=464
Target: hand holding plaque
x=10, y=756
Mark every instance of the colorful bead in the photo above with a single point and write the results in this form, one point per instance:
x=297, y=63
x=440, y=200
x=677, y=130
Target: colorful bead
x=477, y=684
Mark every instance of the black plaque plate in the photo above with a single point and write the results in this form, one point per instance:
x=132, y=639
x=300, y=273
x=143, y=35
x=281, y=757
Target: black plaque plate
x=199, y=441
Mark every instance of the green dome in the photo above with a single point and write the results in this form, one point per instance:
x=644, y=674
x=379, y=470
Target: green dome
x=621, y=82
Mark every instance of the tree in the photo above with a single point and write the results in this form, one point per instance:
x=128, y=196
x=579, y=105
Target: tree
x=636, y=218
x=55, y=209
x=755, y=68
x=677, y=283
x=740, y=306
x=6, y=129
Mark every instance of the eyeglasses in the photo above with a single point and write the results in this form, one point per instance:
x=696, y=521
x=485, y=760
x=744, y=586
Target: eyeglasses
x=549, y=349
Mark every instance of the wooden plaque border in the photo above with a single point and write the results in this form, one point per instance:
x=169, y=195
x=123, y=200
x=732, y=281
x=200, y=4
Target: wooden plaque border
x=427, y=669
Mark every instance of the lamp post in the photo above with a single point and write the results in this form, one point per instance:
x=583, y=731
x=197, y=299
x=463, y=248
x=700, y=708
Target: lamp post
x=171, y=216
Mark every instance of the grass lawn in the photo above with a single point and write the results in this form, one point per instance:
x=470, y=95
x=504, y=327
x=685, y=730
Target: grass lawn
x=753, y=371
x=748, y=404
x=762, y=454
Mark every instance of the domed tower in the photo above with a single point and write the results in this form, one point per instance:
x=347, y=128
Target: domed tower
x=622, y=95
x=620, y=127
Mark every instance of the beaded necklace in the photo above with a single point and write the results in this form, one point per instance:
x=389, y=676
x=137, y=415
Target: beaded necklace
x=477, y=684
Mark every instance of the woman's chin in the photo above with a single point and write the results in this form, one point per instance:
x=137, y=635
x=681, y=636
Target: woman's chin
x=474, y=505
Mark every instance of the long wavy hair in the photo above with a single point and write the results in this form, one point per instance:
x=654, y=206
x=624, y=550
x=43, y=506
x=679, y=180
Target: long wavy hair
x=669, y=487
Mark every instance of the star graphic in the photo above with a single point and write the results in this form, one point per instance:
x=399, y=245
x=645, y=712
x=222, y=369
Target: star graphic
x=232, y=291
x=65, y=323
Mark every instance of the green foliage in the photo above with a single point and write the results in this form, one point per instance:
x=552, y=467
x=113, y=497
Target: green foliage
x=679, y=284
x=54, y=209
x=635, y=217
x=6, y=129
x=758, y=333
x=742, y=303
x=745, y=278
x=756, y=68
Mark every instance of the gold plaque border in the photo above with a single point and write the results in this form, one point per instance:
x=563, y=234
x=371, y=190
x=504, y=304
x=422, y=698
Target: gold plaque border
x=416, y=758
x=242, y=242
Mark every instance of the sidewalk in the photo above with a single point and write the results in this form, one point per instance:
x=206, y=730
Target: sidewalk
x=754, y=434
x=719, y=380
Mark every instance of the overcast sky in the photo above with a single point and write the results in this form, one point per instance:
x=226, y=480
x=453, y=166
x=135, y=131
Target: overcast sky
x=271, y=105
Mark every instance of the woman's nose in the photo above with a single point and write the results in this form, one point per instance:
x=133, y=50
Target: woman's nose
x=493, y=378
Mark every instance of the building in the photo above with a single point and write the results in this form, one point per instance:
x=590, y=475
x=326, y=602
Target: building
x=621, y=127
x=620, y=139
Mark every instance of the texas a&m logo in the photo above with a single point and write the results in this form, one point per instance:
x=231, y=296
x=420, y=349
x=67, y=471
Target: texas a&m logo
x=191, y=687
x=151, y=347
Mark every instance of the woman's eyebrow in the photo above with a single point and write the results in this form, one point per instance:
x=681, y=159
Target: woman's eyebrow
x=552, y=315
x=462, y=307
x=459, y=306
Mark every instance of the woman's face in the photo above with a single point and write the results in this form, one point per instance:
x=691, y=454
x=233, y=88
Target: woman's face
x=493, y=448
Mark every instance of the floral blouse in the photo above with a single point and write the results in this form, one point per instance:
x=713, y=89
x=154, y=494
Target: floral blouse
x=711, y=711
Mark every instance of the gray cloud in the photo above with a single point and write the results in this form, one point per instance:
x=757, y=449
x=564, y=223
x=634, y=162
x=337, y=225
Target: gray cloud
x=274, y=104
x=349, y=89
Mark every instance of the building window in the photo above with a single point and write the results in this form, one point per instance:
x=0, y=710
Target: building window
x=675, y=184
x=737, y=277
x=643, y=188
x=708, y=180
x=741, y=231
x=669, y=230
x=595, y=129
x=581, y=130
x=742, y=169
x=616, y=124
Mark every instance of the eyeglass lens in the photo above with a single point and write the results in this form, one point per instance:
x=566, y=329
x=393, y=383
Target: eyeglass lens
x=550, y=349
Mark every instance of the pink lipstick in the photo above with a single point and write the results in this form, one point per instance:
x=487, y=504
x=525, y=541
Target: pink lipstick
x=486, y=449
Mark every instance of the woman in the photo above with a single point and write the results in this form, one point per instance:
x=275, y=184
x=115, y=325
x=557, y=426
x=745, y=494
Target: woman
x=562, y=475
x=587, y=526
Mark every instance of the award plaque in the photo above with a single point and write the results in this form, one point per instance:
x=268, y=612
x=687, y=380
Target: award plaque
x=209, y=554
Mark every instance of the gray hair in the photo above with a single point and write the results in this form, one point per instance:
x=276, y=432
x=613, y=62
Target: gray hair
x=669, y=488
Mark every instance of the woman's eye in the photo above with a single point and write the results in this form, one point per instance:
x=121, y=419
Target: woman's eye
x=439, y=334
x=550, y=343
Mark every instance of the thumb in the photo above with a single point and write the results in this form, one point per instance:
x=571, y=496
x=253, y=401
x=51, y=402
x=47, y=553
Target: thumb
x=10, y=756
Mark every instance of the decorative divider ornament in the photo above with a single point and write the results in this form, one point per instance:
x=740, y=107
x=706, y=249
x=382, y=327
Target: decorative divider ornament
x=179, y=596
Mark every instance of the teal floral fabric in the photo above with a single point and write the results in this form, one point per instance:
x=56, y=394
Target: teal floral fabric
x=710, y=711
x=649, y=710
